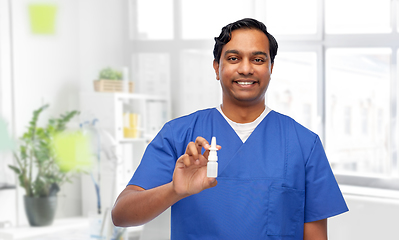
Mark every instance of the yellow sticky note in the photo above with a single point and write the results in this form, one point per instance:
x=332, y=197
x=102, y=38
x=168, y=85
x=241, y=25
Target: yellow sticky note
x=73, y=151
x=42, y=18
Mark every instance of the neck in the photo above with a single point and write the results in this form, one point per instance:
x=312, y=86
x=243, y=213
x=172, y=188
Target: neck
x=243, y=114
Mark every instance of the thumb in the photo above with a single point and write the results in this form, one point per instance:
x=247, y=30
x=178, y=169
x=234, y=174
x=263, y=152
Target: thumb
x=212, y=182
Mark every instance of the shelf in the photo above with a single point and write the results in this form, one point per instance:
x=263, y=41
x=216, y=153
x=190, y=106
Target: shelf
x=68, y=228
x=122, y=114
x=61, y=225
x=5, y=186
x=132, y=140
x=146, y=138
x=121, y=95
x=139, y=96
x=109, y=108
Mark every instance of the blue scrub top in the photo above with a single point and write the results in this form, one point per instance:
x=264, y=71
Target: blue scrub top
x=268, y=187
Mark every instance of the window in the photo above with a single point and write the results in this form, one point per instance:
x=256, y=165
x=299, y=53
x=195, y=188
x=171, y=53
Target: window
x=292, y=17
x=203, y=19
x=357, y=99
x=358, y=16
x=335, y=71
x=154, y=19
x=295, y=91
x=204, y=82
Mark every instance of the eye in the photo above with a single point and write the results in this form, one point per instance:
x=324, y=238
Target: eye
x=259, y=60
x=232, y=58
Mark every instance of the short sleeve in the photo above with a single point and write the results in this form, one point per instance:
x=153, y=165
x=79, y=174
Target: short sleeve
x=158, y=162
x=323, y=198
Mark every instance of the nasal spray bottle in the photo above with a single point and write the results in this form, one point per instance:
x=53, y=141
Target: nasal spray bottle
x=212, y=167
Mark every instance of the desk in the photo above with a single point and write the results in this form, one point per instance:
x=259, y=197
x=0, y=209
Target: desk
x=62, y=229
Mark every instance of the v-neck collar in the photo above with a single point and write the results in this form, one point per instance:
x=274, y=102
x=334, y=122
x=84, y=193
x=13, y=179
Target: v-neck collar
x=232, y=142
x=236, y=127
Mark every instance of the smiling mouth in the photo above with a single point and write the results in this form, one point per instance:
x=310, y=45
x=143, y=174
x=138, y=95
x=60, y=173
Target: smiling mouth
x=245, y=83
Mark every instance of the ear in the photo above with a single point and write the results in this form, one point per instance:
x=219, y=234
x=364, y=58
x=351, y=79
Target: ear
x=216, y=67
x=271, y=68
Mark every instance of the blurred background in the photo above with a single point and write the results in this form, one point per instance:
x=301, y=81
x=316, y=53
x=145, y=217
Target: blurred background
x=336, y=72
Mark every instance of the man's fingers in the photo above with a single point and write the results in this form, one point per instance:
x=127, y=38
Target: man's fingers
x=180, y=162
x=200, y=143
x=187, y=160
x=192, y=151
x=206, y=153
x=195, y=149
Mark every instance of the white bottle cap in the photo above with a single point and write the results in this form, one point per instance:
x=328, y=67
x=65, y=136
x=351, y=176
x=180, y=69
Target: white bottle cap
x=212, y=166
x=213, y=157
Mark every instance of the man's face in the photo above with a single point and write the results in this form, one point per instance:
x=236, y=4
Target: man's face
x=244, y=68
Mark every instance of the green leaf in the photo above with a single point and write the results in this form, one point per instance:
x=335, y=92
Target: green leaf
x=37, y=169
x=110, y=74
x=15, y=169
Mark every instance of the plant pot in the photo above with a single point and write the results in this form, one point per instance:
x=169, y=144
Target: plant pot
x=105, y=85
x=40, y=211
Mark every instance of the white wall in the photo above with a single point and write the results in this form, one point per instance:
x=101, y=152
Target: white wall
x=7, y=197
x=46, y=70
x=369, y=217
x=5, y=64
x=55, y=68
x=101, y=38
x=46, y=67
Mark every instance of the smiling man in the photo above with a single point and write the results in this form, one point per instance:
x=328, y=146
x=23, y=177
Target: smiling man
x=244, y=68
x=274, y=179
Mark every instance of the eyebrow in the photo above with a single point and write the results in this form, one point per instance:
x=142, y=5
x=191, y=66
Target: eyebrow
x=260, y=53
x=231, y=52
x=253, y=53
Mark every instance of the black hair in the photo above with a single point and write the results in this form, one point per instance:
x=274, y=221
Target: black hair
x=246, y=23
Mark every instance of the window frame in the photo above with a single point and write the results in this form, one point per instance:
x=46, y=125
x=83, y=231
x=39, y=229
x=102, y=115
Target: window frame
x=319, y=43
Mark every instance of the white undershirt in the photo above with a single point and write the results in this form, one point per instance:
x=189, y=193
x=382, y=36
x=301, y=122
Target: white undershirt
x=244, y=130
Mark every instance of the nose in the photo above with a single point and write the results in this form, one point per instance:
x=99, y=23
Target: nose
x=245, y=67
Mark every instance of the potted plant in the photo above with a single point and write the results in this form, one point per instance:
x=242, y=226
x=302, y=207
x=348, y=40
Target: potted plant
x=110, y=80
x=110, y=74
x=37, y=168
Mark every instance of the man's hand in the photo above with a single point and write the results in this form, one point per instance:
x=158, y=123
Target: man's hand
x=190, y=176
x=136, y=206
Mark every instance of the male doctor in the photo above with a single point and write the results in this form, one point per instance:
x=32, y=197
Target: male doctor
x=274, y=180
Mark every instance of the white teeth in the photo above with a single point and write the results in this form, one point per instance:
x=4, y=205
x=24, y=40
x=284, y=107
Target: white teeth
x=245, y=83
